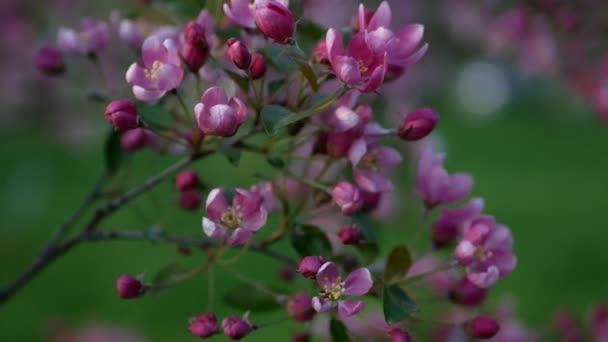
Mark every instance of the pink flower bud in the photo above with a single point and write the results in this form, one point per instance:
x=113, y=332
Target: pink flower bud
x=347, y=197
x=299, y=307
x=190, y=200
x=238, y=53
x=371, y=200
x=418, y=124
x=466, y=293
x=195, y=49
x=320, y=54
x=129, y=287
x=204, y=325
x=483, y=327
x=49, y=61
x=134, y=139
x=257, y=68
x=309, y=266
x=186, y=180
x=194, y=33
x=236, y=328
x=274, y=20
x=350, y=235
x=122, y=114
x=398, y=335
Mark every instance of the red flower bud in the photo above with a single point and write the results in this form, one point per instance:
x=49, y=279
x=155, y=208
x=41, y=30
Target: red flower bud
x=194, y=34
x=320, y=54
x=275, y=21
x=186, y=180
x=190, y=200
x=350, y=235
x=418, y=124
x=122, y=114
x=49, y=61
x=398, y=335
x=299, y=307
x=236, y=327
x=204, y=326
x=257, y=69
x=309, y=266
x=134, y=139
x=466, y=293
x=129, y=287
x=483, y=327
x=347, y=197
x=195, y=49
x=238, y=53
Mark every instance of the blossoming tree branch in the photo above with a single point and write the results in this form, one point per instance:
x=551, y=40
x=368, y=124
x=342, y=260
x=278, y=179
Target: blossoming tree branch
x=302, y=99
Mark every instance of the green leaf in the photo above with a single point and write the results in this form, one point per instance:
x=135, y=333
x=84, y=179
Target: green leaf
x=274, y=86
x=155, y=116
x=276, y=162
x=369, y=251
x=310, y=240
x=397, y=264
x=272, y=116
x=241, y=81
x=232, y=154
x=304, y=65
x=338, y=331
x=396, y=304
x=113, y=154
x=248, y=297
x=365, y=225
x=276, y=58
x=173, y=275
x=311, y=30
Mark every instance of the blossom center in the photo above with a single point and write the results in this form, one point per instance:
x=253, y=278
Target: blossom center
x=362, y=67
x=231, y=219
x=334, y=291
x=483, y=255
x=152, y=73
x=369, y=161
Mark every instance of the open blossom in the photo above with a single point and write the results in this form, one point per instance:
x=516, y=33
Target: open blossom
x=371, y=164
x=357, y=66
x=347, y=197
x=158, y=72
x=217, y=115
x=434, y=183
x=240, y=12
x=333, y=289
x=486, y=249
x=450, y=221
x=241, y=218
x=91, y=37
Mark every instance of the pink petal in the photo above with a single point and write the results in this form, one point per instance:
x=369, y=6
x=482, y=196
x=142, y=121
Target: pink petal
x=382, y=17
x=136, y=75
x=169, y=77
x=240, y=237
x=320, y=304
x=417, y=56
x=375, y=80
x=465, y=251
x=347, y=308
x=408, y=39
x=335, y=46
x=357, y=150
x=216, y=204
x=240, y=13
x=358, y=282
x=146, y=95
x=388, y=156
x=172, y=52
x=256, y=220
x=484, y=279
x=239, y=108
x=373, y=182
x=214, y=96
x=461, y=186
x=153, y=50
x=347, y=70
x=500, y=239
x=359, y=50
x=328, y=275
x=380, y=39
x=212, y=229
x=345, y=119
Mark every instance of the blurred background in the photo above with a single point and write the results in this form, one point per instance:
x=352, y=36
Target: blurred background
x=521, y=110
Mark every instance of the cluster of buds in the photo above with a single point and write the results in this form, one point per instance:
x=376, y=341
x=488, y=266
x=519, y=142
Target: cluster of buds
x=187, y=182
x=205, y=325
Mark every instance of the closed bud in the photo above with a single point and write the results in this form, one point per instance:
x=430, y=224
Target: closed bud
x=194, y=34
x=204, y=326
x=398, y=335
x=257, y=68
x=49, y=61
x=350, y=235
x=195, y=49
x=300, y=338
x=466, y=293
x=122, y=114
x=482, y=327
x=236, y=328
x=238, y=53
x=310, y=265
x=186, y=180
x=299, y=307
x=275, y=21
x=347, y=197
x=134, y=140
x=190, y=200
x=129, y=287
x=418, y=124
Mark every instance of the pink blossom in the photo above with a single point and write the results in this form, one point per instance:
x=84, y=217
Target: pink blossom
x=310, y=265
x=418, y=124
x=158, y=72
x=236, y=328
x=187, y=180
x=435, y=185
x=129, y=287
x=347, y=197
x=122, y=114
x=266, y=191
x=217, y=115
x=350, y=235
x=49, y=61
x=243, y=217
x=358, y=66
x=238, y=53
x=204, y=325
x=134, y=139
x=257, y=68
x=240, y=12
x=333, y=289
x=483, y=327
x=372, y=165
x=399, y=335
x=194, y=48
x=299, y=307
x=91, y=37
x=450, y=221
x=487, y=250
x=466, y=293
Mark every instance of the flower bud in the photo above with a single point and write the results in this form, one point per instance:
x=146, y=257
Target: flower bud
x=483, y=327
x=347, y=197
x=350, y=235
x=286, y=273
x=257, y=68
x=418, y=124
x=300, y=338
x=190, y=200
x=274, y=20
x=371, y=200
x=204, y=325
x=122, y=114
x=134, y=139
x=398, y=335
x=309, y=266
x=238, y=53
x=466, y=293
x=195, y=49
x=186, y=180
x=236, y=328
x=194, y=34
x=299, y=307
x=49, y=61
x=129, y=287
